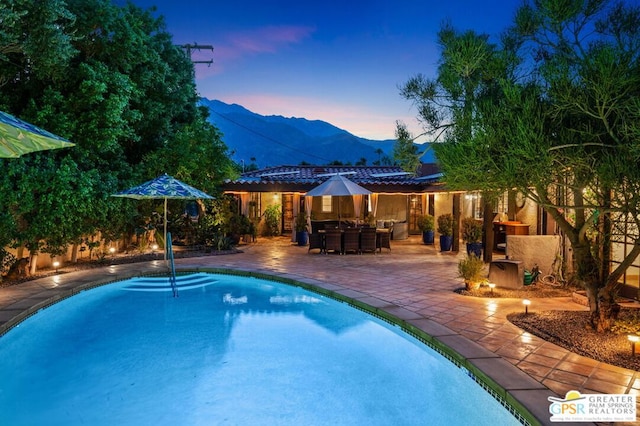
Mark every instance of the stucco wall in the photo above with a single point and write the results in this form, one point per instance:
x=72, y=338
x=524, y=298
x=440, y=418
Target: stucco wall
x=443, y=205
x=534, y=250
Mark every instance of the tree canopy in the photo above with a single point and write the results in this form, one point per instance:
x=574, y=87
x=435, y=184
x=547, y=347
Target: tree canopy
x=552, y=112
x=111, y=80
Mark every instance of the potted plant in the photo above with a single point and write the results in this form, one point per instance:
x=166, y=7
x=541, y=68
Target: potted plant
x=426, y=225
x=445, y=229
x=302, y=231
x=472, y=235
x=471, y=270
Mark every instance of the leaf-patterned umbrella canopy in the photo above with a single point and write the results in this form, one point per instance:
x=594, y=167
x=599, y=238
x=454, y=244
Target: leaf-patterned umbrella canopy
x=17, y=137
x=164, y=187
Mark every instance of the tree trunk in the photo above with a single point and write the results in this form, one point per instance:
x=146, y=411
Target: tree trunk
x=488, y=231
x=602, y=303
x=74, y=253
x=33, y=263
x=456, y=222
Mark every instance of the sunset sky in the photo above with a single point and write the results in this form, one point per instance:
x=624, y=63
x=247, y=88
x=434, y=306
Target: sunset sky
x=338, y=61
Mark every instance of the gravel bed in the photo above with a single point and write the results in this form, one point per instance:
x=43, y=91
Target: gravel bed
x=570, y=330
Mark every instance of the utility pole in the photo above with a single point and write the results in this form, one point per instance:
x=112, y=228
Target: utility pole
x=195, y=46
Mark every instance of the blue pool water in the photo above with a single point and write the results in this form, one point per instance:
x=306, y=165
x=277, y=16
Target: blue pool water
x=229, y=350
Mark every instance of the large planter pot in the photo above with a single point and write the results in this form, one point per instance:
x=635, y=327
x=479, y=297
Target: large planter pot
x=445, y=242
x=428, y=237
x=302, y=238
x=475, y=249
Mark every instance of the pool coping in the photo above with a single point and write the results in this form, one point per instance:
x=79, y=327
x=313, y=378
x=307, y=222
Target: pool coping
x=522, y=395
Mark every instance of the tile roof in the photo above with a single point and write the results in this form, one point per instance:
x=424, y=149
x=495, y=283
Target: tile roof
x=304, y=177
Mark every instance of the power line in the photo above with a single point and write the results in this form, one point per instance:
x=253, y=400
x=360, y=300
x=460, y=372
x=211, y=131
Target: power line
x=188, y=48
x=270, y=138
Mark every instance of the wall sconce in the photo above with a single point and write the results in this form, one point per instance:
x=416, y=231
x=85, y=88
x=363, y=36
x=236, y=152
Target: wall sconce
x=526, y=303
x=56, y=265
x=633, y=339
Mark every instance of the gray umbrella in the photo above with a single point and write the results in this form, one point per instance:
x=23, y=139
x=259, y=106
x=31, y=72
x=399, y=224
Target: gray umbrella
x=338, y=186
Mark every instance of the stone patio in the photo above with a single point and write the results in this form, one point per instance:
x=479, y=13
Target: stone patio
x=414, y=283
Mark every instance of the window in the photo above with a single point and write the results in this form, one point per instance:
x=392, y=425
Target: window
x=326, y=204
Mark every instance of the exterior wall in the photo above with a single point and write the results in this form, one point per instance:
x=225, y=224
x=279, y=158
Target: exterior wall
x=392, y=207
x=443, y=205
x=528, y=214
x=532, y=250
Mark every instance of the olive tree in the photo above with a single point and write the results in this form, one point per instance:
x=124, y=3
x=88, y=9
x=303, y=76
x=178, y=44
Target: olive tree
x=561, y=127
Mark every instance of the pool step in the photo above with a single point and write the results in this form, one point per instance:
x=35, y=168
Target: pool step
x=183, y=282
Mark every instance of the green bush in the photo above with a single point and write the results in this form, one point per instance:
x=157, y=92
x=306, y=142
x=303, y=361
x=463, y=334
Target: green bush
x=471, y=230
x=471, y=269
x=301, y=222
x=425, y=223
x=445, y=224
x=272, y=220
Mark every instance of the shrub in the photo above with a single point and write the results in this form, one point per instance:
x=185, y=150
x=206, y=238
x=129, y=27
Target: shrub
x=301, y=222
x=425, y=223
x=272, y=220
x=471, y=230
x=445, y=224
x=471, y=270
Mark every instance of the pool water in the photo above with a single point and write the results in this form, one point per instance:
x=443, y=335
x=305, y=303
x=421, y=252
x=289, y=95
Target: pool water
x=229, y=350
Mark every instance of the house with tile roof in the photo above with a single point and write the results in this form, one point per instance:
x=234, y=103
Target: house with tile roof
x=398, y=197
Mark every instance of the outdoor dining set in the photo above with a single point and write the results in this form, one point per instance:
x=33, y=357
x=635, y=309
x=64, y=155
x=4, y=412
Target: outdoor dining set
x=357, y=240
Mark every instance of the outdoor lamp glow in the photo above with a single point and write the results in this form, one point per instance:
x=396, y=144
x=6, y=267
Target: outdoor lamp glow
x=154, y=247
x=492, y=286
x=633, y=339
x=56, y=265
x=112, y=250
x=526, y=303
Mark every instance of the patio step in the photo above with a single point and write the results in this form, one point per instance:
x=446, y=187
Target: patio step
x=183, y=282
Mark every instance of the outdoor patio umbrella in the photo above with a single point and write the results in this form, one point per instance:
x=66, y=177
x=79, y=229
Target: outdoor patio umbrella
x=164, y=187
x=18, y=137
x=338, y=186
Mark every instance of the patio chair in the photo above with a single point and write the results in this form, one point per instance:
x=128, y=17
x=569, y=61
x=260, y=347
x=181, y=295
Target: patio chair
x=384, y=240
x=316, y=242
x=333, y=240
x=368, y=239
x=351, y=240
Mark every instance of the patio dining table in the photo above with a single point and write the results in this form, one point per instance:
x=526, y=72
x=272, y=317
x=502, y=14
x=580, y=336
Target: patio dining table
x=383, y=237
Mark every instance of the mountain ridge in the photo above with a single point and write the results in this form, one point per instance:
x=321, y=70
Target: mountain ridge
x=276, y=140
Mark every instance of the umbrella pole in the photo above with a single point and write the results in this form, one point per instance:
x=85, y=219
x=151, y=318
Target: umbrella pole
x=165, y=230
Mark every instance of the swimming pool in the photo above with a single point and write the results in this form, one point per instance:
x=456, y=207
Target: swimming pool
x=228, y=350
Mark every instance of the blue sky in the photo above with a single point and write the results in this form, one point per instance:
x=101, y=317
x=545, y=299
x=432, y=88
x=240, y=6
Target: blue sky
x=337, y=61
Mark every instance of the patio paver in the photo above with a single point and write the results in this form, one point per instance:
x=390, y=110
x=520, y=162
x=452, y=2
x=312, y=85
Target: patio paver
x=413, y=282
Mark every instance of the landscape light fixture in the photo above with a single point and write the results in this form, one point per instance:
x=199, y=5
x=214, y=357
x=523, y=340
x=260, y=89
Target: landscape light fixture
x=112, y=250
x=526, y=303
x=633, y=338
x=492, y=286
x=56, y=265
x=154, y=247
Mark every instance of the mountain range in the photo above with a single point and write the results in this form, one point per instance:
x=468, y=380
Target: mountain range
x=276, y=140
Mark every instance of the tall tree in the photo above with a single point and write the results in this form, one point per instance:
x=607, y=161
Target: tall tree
x=126, y=96
x=562, y=128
